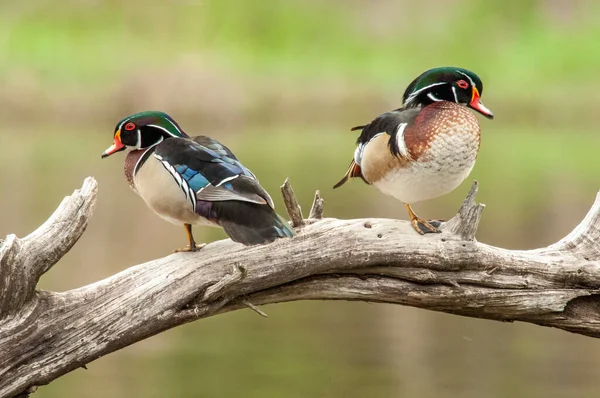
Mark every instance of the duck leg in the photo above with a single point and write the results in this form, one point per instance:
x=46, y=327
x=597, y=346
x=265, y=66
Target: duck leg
x=192, y=246
x=423, y=226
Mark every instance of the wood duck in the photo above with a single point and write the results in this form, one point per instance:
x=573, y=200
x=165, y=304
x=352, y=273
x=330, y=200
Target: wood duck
x=194, y=181
x=427, y=147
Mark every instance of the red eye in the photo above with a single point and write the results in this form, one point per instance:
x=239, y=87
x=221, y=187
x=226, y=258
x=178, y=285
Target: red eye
x=462, y=84
x=129, y=126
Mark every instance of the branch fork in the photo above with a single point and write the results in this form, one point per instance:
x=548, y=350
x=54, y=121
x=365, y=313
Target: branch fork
x=294, y=210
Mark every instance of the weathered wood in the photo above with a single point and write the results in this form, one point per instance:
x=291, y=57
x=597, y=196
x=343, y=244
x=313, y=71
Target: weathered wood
x=24, y=261
x=316, y=211
x=44, y=335
x=291, y=204
x=465, y=223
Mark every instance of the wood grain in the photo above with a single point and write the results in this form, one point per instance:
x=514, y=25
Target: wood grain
x=44, y=335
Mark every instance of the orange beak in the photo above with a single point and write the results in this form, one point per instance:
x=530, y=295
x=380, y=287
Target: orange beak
x=115, y=147
x=478, y=105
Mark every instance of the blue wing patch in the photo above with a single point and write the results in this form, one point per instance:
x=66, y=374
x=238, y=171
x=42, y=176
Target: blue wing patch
x=194, y=178
x=198, y=165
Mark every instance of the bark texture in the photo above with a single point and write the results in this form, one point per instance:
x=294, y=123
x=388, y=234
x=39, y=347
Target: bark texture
x=44, y=334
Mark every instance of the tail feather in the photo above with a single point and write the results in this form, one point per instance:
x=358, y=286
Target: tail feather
x=250, y=223
x=353, y=171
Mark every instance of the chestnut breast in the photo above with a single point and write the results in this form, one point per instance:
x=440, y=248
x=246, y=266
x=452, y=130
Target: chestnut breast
x=443, y=132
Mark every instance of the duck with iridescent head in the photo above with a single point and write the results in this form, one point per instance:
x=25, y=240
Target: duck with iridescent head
x=194, y=181
x=426, y=148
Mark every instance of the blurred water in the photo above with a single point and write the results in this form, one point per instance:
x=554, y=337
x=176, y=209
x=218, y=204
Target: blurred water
x=280, y=82
x=317, y=349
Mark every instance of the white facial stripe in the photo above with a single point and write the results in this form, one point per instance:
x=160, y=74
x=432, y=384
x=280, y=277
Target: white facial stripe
x=468, y=77
x=433, y=97
x=455, y=96
x=163, y=129
x=174, y=125
x=415, y=93
x=400, y=143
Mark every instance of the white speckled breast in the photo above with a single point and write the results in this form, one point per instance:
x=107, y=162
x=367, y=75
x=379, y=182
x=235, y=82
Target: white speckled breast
x=443, y=162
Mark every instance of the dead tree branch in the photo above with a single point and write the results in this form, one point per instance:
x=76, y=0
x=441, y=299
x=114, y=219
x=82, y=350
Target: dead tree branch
x=44, y=334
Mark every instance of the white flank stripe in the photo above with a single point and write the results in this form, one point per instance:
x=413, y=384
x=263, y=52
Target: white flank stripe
x=183, y=184
x=180, y=180
x=358, y=152
x=400, y=143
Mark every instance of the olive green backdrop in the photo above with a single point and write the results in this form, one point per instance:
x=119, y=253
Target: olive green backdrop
x=281, y=82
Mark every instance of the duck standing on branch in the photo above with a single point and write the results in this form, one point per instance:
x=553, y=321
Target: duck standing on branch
x=426, y=148
x=194, y=181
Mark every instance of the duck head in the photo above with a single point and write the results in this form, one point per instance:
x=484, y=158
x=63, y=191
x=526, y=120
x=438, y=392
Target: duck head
x=143, y=130
x=447, y=84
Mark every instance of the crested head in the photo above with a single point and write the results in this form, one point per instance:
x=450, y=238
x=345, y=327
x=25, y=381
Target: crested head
x=143, y=130
x=447, y=84
x=146, y=124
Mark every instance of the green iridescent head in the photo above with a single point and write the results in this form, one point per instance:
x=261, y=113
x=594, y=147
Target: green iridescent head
x=447, y=84
x=143, y=130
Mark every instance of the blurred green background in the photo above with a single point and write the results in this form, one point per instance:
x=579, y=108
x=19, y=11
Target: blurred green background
x=281, y=82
